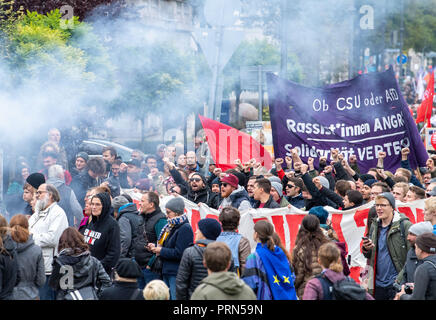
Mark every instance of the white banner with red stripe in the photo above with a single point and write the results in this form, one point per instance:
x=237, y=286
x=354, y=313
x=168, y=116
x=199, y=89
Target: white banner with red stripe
x=350, y=225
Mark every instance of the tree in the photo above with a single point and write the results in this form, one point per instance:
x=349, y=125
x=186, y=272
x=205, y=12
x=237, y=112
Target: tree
x=81, y=8
x=162, y=80
x=52, y=77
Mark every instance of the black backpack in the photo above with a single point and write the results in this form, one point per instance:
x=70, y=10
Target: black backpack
x=345, y=289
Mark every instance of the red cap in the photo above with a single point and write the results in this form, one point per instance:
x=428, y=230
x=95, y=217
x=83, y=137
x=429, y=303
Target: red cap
x=231, y=179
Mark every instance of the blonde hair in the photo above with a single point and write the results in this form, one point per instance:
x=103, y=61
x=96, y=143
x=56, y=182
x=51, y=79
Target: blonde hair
x=404, y=186
x=430, y=204
x=156, y=290
x=329, y=256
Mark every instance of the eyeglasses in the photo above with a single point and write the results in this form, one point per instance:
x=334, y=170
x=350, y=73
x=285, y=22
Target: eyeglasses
x=290, y=186
x=381, y=205
x=195, y=179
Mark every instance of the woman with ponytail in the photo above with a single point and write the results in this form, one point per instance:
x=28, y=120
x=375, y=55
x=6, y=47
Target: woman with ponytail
x=329, y=257
x=29, y=258
x=267, y=270
x=305, y=253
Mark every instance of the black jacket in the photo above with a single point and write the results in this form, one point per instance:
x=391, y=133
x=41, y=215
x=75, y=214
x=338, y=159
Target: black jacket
x=191, y=270
x=80, y=185
x=8, y=269
x=151, y=226
x=103, y=236
x=87, y=271
x=269, y=204
x=204, y=195
x=425, y=281
x=317, y=198
x=334, y=200
x=180, y=238
x=121, y=290
x=297, y=201
x=408, y=272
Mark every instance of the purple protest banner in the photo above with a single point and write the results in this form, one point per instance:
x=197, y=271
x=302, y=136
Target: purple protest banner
x=361, y=116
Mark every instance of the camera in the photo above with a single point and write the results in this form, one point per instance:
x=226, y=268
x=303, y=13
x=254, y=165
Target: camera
x=407, y=288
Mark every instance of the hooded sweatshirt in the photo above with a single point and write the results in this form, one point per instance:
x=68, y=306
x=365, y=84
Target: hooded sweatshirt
x=223, y=286
x=103, y=235
x=87, y=270
x=31, y=269
x=8, y=268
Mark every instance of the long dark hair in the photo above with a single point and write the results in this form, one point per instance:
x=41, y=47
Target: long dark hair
x=265, y=232
x=72, y=239
x=309, y=238
x=278, y=243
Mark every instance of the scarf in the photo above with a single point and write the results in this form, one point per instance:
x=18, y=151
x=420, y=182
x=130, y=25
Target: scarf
x=169, y=226
x=278, y=272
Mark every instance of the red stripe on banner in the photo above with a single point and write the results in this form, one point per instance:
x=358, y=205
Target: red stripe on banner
x=258, y=219
x=195, y=217
x=278, y=226
x=213, y=216
x=359, y=217
x=407, y=211
x=336, y=225
x=138, y=204
x=294, y=222
x=419, y=215
x=355, y=274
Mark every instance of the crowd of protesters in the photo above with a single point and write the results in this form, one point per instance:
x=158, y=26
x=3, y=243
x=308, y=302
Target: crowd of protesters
x=80, y=222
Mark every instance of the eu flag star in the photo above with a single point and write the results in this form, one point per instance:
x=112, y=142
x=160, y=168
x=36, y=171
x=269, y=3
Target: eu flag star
x=286, y=280
x=276, y=280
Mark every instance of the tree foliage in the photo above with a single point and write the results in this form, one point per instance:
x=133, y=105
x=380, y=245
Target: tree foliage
x=81, y=7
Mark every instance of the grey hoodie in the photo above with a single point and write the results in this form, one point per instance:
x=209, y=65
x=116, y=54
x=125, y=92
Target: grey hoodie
x=223, y=286
x=31, y=270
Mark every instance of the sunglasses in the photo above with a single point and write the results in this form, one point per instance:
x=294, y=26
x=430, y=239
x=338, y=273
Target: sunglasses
x=195, y=179
x=290, y=186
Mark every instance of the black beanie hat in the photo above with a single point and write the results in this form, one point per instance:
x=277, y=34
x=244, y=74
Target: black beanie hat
x=127, y=268
x=365, y=177
x=210, y=228
x=427, y=242
x=35, y=179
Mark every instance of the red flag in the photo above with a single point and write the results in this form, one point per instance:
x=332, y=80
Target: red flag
x=228, y=144
x=425, y=109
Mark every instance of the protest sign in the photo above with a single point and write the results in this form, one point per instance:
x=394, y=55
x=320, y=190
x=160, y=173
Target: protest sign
x=362, y=116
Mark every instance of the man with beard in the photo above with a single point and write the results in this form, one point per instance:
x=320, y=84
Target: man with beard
x=233, y=194
x=197, y=187
x=365, y=190
x=46, y=225
x=198, y=191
